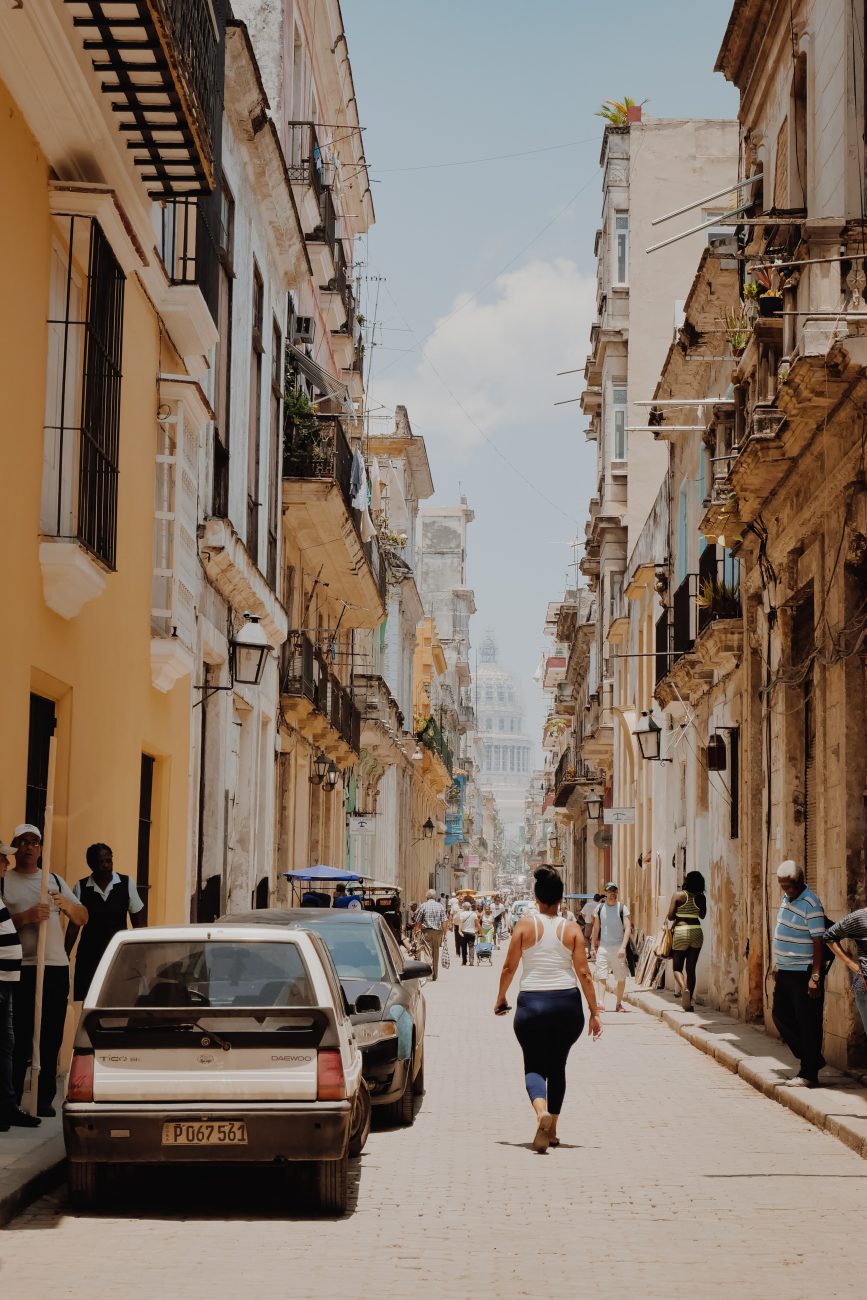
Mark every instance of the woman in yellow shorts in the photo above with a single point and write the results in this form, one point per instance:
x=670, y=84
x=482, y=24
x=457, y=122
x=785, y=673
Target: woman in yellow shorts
x=687, y=910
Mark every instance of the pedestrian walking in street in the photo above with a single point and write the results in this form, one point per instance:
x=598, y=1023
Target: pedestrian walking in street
x=455, y=922
x=799, y=988
x=549, y=1016
x=432, y=918
x=109, y=899
x=469, y=923
x=11, y=1114
x=588, y=912
x=686, y=911
x=854, y=927
x=22, y=889
x=612, y=928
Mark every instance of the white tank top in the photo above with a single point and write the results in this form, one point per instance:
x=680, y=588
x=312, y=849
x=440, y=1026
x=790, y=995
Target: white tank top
x=547, y=966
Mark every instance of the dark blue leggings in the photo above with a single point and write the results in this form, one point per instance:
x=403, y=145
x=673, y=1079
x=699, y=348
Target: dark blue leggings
x=547, y=1025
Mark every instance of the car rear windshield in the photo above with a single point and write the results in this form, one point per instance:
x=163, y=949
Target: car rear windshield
x=207, y=973
x=355, y=949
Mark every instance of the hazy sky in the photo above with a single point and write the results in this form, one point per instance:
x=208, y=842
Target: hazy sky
x=482, y=275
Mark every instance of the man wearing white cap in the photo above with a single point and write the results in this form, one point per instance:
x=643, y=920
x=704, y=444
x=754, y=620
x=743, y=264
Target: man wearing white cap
x=22, y=891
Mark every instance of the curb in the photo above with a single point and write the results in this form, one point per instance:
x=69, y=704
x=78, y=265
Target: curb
x=32, y=1186
x=839, y=1109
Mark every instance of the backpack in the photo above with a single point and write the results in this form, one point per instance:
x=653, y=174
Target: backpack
x=631, y=954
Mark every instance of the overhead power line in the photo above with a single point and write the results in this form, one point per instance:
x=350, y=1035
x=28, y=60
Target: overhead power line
x=496, y=157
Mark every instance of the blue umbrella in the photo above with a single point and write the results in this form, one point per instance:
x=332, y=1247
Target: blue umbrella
x=321, y=872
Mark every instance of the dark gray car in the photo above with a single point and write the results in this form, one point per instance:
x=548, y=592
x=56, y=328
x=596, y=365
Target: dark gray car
x=383, y=989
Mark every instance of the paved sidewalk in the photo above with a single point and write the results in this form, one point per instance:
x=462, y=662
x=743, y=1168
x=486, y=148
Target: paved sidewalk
x=32, y=1161
x=839, y=1106
x=675, y=1180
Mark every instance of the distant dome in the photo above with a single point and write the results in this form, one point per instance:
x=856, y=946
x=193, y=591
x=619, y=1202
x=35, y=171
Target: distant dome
x=505, y=748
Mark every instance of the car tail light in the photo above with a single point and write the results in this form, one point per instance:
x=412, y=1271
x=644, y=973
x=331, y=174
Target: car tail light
x=81, y=1078
x=330, y=1084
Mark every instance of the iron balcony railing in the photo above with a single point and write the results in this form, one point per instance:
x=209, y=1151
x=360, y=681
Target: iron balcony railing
x=161, y=63
x=683, y=611
x=718, y=586
x=297, y=667
x=305, y=675
x=188, y=247
x=305, y=164
x=431, y=736
x=662, y=646
x=316, y=447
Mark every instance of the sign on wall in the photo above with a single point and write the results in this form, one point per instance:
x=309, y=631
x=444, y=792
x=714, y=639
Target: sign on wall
x=362, y=825
x=618, y=816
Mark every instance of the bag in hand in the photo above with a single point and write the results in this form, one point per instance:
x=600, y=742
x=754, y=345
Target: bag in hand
x=666, y=938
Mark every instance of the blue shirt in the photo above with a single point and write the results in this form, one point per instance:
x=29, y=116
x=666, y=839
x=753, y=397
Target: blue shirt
x=799, y=921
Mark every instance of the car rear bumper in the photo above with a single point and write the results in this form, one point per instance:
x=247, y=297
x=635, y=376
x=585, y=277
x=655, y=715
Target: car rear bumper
x=121, y=1133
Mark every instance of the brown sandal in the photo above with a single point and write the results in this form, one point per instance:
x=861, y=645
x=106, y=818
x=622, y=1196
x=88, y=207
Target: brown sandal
x=542, y=1140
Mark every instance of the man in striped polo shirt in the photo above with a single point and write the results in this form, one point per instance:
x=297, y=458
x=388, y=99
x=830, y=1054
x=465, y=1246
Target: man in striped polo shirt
x=799, y=991
x=10, y=974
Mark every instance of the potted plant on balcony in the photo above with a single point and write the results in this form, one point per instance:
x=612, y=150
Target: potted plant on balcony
x=304, y=451
x=719, y=599
x=738, y=326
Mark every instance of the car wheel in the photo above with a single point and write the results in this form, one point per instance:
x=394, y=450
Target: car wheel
x=332, y=1185
x=85, y=1183
x=402, y=1111
x=361, y=1121
x=418, y=1085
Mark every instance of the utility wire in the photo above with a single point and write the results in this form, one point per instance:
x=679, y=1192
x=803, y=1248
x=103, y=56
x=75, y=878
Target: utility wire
x=497, y=157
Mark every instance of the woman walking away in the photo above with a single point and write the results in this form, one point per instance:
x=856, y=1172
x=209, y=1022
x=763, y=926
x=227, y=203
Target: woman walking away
x=686, y=910
x=549, y=1016
x=469, y=921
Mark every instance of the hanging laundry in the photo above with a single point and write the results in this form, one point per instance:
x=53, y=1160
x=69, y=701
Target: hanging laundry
x=398, y=515
x=358, y=482
x=368, y=529
x=375, y=484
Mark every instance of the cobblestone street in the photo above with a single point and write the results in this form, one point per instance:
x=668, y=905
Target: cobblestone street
x=675, y=1178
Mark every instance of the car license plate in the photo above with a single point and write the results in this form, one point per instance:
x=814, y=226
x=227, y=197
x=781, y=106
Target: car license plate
x=204, y=1133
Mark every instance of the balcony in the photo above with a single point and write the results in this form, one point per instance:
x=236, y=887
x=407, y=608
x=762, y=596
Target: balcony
x=564, y=699
x=336, y=297
x=430, y=735
x=317, y=504
x=316, y=703
x=308, y=172
x=570, y=776
x=322, y=242
x=191, y=259
x=382, y=731
x=161, y=64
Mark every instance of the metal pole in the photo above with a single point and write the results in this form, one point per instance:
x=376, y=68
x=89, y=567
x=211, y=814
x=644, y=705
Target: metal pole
x=678, y=212
x=47, y=837
x=718, y=220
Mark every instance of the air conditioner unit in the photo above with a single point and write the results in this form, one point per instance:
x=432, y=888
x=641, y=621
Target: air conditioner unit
x=305, y=328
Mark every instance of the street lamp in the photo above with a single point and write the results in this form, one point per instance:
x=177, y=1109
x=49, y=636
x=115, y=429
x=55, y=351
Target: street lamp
x=593, y=804
x=320, y=769
x=459, y=861
x=648, y=733
x=427, y=829
x=250, y=650
x=330, y=780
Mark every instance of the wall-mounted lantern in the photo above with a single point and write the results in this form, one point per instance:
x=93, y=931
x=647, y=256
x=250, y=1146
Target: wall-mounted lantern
x=648, y=733
x=250, y=650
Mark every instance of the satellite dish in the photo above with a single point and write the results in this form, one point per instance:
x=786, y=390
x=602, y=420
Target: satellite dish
x=603, y=838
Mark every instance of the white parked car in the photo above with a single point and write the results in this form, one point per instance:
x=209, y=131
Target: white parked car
x=209, y=1043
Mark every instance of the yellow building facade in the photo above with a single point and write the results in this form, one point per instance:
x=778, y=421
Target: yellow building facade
x=89, y=372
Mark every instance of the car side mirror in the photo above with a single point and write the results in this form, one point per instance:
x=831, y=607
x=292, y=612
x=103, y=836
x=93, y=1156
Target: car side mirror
x=367, y=1002
x=416, y=970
